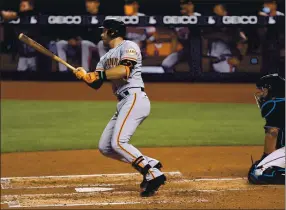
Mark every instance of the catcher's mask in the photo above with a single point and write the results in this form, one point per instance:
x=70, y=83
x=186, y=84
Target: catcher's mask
x=116, y=28
x=269, y=86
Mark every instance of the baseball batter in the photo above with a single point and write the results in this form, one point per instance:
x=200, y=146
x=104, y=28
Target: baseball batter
x=122, y=66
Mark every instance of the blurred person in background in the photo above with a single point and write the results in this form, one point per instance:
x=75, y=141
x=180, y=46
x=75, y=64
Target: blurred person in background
x=92, y=6
x=220, y=10
x=223, y=60
x=77, y=49
x=180, y=35
x=140, y=35
x=131, y=8
x=226, y=45
x=271, y=41
x=80, y=47
x=93, y=33
x=27, y=54
x=188, y=8
x=270, y=9
x=256, y=35
x=26, y=7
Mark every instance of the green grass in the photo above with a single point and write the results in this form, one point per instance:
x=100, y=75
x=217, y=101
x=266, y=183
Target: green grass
x=54, y=125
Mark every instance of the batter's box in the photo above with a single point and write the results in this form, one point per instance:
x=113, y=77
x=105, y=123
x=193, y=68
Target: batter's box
x=91, y=199
x=100, y=180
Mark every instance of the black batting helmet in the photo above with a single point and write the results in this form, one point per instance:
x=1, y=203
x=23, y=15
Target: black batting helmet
x=116, y=28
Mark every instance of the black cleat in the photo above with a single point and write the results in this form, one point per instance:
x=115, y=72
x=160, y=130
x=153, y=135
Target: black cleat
x=153, y=185
x=144, y=183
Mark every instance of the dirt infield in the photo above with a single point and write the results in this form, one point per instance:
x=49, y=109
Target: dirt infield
x=198, y=177
x=169, y=92
x=187, y=187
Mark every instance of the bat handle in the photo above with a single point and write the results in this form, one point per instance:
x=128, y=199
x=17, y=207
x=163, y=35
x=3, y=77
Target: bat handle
x=73, y=69
x=70, y=67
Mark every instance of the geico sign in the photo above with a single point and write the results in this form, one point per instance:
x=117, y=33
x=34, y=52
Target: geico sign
x=180, y=19
x=126, y=19
x=64, y=19
x=239, y=19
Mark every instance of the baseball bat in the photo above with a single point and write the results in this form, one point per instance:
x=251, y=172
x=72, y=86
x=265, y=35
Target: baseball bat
x=44, y=50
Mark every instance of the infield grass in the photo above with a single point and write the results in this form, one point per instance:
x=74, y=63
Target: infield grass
x=63, y=125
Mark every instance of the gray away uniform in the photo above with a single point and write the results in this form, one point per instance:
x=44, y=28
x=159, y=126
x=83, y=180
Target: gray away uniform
x=131, y=110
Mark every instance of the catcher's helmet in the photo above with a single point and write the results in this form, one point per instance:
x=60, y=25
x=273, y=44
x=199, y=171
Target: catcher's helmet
x=275, y=86
x=116, y=28
x=274, y=83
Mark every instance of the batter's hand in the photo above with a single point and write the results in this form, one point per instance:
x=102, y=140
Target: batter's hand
x=87, y=77
x=80, y=72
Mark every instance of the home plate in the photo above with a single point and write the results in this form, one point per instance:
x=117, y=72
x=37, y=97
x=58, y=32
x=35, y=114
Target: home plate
x=93, y=189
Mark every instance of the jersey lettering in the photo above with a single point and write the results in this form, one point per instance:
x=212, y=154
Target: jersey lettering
x=111, y=63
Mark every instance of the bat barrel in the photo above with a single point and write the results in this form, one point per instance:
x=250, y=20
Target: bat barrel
x=43, y=50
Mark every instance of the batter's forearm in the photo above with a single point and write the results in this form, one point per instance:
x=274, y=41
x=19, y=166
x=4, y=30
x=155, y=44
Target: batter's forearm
x=118, y=72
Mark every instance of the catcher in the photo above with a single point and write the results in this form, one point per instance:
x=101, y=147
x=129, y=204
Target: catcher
x=270, y=169
x=122, y=66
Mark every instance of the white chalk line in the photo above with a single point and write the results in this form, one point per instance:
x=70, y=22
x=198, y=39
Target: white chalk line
x=172, y=173
x=108, y=203
x=79, y=185
x=109, y=185
x=16, y=204
x=92, y=189
x=75, y=204
x=114, y=192
x=210, y=179
x=219, y=179
x=63, y=186
x=17, y=196
x=87, y=185
x=6, y=181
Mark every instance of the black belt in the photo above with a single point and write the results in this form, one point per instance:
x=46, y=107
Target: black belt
x=126, y=93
